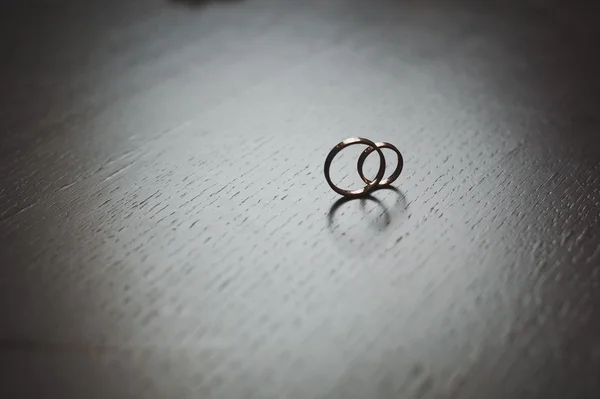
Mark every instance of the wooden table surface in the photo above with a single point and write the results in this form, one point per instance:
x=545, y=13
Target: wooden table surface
x=166, y=230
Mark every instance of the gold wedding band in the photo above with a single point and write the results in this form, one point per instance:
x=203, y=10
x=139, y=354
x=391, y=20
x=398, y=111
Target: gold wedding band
x=368, y=151
x=370, y=184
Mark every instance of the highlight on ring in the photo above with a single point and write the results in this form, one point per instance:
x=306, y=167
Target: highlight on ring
x=378, y=181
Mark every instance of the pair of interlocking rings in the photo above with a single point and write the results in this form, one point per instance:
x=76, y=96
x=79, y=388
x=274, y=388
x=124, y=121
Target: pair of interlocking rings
x=378, y=181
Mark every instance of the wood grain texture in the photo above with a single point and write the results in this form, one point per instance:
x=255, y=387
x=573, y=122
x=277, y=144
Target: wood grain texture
x=167, y=231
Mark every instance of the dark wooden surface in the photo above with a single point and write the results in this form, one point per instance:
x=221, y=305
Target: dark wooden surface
x=167, y=231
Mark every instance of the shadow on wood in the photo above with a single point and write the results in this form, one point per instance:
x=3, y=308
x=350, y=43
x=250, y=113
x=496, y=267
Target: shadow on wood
x=202, y=3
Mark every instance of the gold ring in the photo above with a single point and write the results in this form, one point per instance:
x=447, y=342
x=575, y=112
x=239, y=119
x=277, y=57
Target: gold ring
x=370, y=184
x=368, y=151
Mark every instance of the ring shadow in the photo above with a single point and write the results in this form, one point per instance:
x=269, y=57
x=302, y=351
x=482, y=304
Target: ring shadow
x=387, y=217
x=199, y=3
